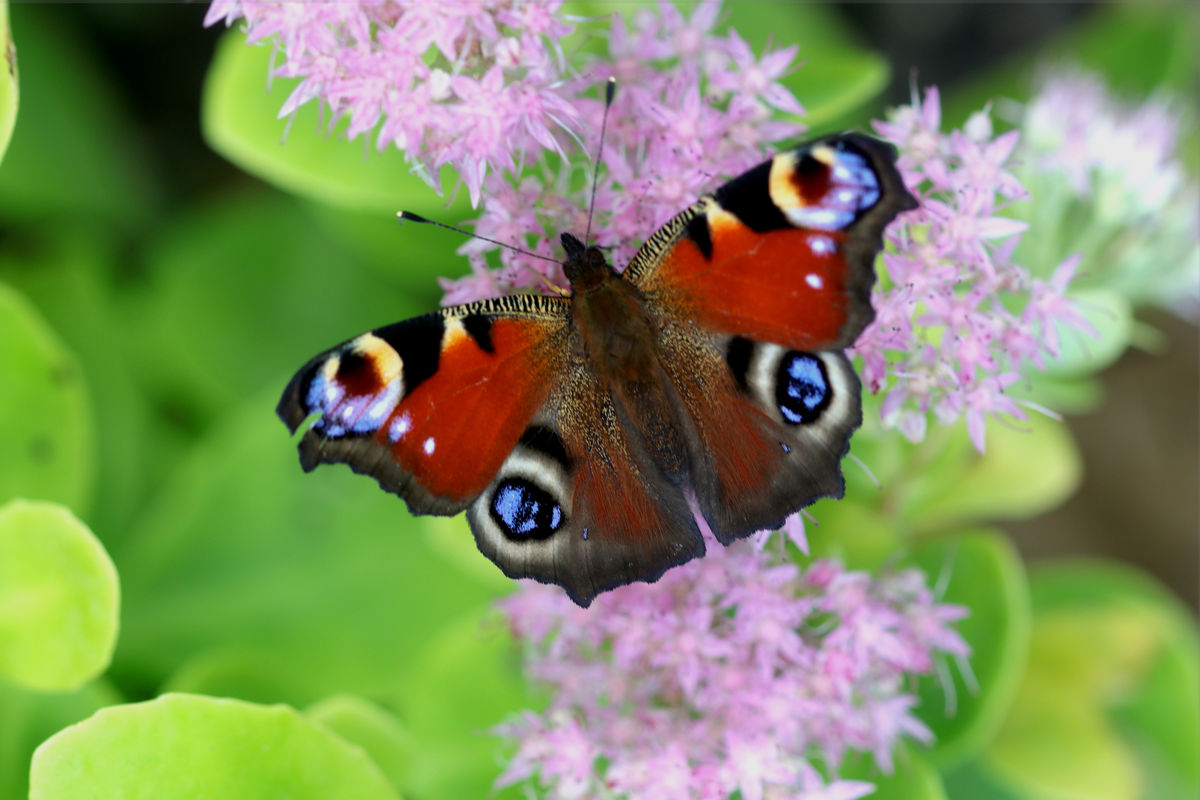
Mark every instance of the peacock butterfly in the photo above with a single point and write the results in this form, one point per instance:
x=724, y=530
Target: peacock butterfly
x=572, y=429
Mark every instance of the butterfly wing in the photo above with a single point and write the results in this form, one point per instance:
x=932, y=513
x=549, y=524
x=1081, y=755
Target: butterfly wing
x=784, y=253
x=769, y=427
x=580, y=503
x=758, y=288
x=480, y=407
x=430, y=407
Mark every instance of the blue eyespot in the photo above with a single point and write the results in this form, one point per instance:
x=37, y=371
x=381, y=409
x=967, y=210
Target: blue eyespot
x=524, y=511
x=802, y=388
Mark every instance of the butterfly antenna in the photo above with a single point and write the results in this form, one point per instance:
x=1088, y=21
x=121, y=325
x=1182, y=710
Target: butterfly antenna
x=408, y=216
x=610, y=91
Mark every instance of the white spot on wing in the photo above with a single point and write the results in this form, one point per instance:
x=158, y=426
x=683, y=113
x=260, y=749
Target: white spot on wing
x=400, y=426
x=429, y=446
x=814, y=280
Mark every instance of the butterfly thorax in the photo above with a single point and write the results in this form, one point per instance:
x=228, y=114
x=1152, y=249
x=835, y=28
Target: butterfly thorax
x=585, y=267
x=613, y=328
x=617, y=341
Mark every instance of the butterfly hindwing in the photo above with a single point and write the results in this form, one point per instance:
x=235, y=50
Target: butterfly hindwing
x=768, y=427
x=580, y=503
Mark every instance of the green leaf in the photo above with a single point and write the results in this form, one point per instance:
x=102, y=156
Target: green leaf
x=833, y=76
x=301, y=155
x=856, y=534
x=75, y=153
x=1052, y=747
x=70, y=278
x=58, y=598
x=1140, y=48
x=1024, y=472
x=372, y=728
x=408, y=255
x=9, y=85
x=30, y=717
x=45, y=421
x=197, y=748
x=258, y=675
x=987, y=577
x=206, y=338
x=242, y=549
x=1065, y=395
x=466, y=682
x=1154, y=692
x=973, y=780
x=1107, y=706
x=913, y=778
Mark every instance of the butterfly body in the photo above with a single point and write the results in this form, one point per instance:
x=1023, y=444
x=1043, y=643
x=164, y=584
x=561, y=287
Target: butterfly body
x=576, y=430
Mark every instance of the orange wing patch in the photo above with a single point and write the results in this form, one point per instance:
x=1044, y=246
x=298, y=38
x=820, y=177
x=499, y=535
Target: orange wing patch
x=785, y=286
x=454, y=430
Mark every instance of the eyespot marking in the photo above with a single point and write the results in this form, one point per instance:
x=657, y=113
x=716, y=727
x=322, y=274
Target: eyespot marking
x=802, y=388
x=738, y=354
x=356, y=389
x=546, y=441
x=826, y=188
x=524, y=511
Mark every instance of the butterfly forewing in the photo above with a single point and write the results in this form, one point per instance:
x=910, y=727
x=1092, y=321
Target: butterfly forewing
x=431, y=407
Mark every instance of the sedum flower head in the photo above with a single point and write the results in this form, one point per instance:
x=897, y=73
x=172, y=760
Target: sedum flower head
x=1116, y=189
x=473, y=84
x=739, y=673
x=692, y=107
x=957, y=318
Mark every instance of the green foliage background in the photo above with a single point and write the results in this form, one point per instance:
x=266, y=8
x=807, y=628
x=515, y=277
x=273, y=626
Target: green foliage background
x=145, y=336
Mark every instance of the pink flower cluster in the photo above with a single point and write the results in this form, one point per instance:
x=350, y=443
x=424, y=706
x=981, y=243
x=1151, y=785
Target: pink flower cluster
x=957, y=320
x=735, y=673
x=474, y=84
x=692, y=108
x=1135, y=208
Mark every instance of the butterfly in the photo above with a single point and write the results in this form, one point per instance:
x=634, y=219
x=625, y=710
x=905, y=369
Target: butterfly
x=578, y=432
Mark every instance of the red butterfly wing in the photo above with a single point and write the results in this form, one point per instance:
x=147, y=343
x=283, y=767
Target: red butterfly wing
x=784, y=253
x=432, y=406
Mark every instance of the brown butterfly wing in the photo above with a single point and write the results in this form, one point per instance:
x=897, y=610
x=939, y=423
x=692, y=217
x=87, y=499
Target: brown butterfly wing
x=580, y=503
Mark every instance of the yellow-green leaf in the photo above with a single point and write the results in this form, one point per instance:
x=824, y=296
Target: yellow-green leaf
x=58, y=598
